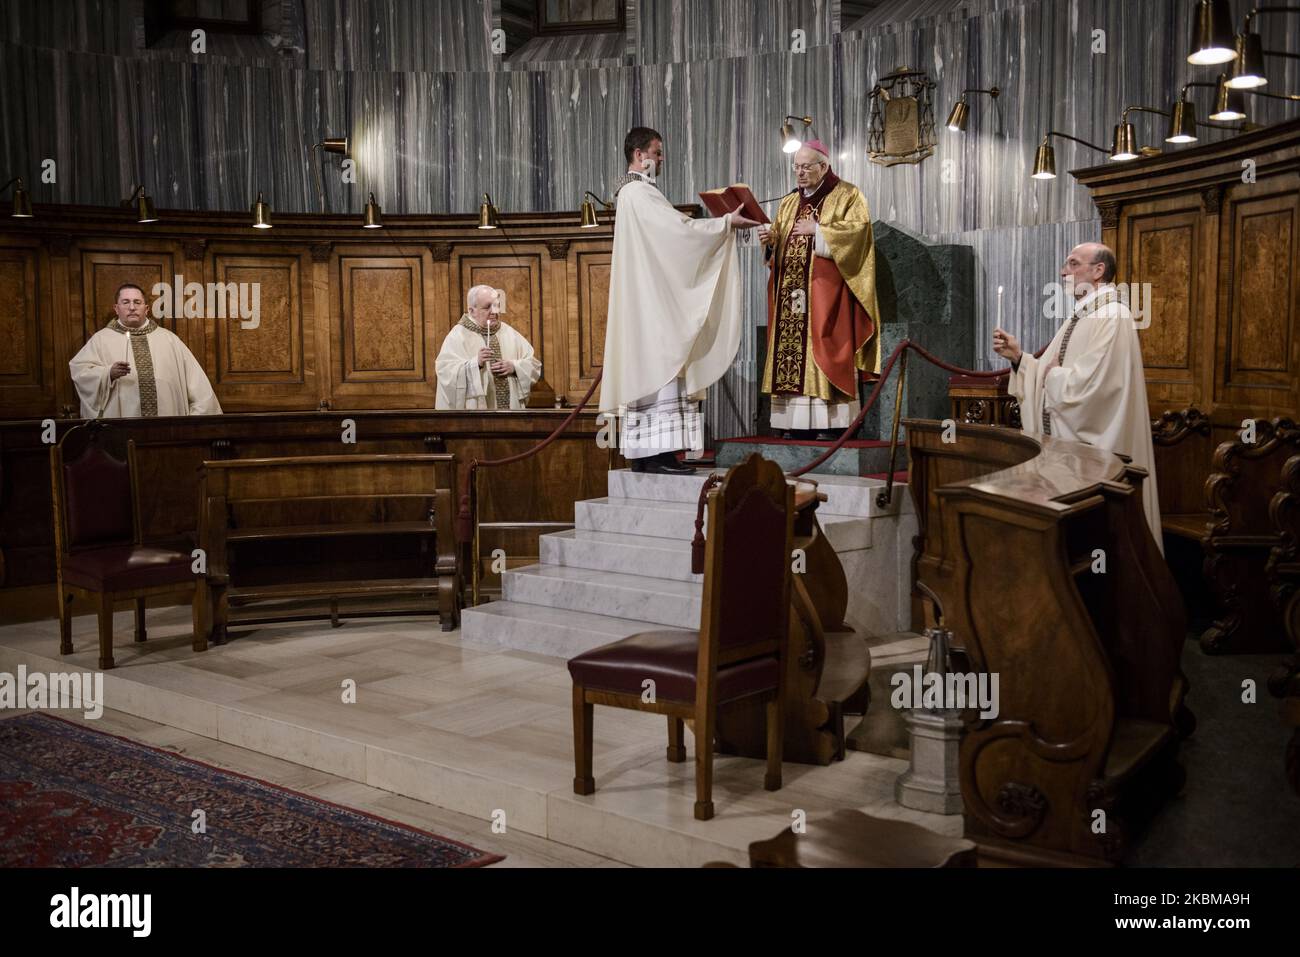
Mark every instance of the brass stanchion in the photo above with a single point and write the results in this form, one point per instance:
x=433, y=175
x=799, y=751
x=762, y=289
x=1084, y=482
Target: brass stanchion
x=883, y=498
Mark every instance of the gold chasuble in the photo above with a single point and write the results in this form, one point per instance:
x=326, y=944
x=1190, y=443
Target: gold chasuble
x=822, y=312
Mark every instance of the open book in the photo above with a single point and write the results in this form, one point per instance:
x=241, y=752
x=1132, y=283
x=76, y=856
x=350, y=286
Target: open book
x=719, y=202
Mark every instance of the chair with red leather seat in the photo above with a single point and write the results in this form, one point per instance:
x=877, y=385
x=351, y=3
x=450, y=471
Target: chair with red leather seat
x=736, y=654
x=98, y=549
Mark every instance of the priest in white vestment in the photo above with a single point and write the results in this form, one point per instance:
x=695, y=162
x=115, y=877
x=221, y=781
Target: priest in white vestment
x=674, y=319
x=1089, y=386
x=135, y=367
x=484, y=363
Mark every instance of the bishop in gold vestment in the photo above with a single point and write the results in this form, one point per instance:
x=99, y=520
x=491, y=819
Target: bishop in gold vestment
x=823, y=318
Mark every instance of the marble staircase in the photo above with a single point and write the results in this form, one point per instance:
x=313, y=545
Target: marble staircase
x=625, y=567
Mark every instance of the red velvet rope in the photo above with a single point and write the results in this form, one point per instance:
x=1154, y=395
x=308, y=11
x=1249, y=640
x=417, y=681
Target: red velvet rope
x=464, y=524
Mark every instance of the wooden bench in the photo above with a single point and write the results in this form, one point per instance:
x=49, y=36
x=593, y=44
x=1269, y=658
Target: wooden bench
x=344, y=499
x=1091, y=713
x=1242, y=537
x=1283, y=573
x=1183, y=454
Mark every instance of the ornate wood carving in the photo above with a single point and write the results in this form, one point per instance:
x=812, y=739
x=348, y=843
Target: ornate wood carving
x=320, y=252
x=1174, y=425
x=195, y=248
x=441, y=252
x=558, y=248
x=1212, y=199
x=1241, y=538
x=1109, y=213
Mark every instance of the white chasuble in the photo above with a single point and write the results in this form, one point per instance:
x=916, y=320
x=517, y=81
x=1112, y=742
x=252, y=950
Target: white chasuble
x=674, y=300
x=463, y=384
x=1095, y=392
x=165, y=378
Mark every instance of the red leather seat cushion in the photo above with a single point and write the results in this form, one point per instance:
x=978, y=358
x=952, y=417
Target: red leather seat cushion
x=670, y=659
x=125, y=567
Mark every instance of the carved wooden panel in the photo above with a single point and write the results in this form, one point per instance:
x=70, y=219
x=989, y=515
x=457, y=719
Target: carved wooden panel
x=24, y=373
x=1164, y=263
x=593, y=308
x=268, y=346
x=382, y=319
x=1260, y=296
x=520, y=276
x=102, y=271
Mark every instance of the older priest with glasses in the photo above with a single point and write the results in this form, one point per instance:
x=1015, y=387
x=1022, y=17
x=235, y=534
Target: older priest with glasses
x=822, y=312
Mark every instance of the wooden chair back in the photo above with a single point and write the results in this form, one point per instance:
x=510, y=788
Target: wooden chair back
x=93, y=485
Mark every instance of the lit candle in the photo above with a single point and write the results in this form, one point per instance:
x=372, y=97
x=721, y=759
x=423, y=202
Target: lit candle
x=999, y=325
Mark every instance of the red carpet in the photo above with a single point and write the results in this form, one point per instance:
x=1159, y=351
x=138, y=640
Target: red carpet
x=74, y=797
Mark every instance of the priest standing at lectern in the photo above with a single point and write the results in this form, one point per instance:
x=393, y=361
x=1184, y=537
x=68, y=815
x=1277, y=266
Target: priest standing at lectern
x=484, y=363
x=1089, y=385
x=822, y=312
x=673, y=325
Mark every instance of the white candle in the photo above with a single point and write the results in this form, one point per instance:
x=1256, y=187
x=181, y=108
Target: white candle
x=999, y=325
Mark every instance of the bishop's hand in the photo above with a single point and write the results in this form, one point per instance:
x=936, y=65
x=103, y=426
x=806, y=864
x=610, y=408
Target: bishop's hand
x=805, y=227
x=765, y=234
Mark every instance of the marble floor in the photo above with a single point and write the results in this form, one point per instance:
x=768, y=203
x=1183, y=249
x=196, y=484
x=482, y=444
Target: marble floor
x=448, y=737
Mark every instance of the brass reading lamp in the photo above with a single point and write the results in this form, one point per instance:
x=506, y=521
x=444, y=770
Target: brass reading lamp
x=1229, y=104
x=261, y=213
x=1212, y=38
x=331, y=144
x=144, y=211
x=1045, y=155
x=1248, y=68
x=370, y=219
x=789, y=142
x=488, y=216
x=1182, y=117
x=960, y=110
x=589, y=209
x=22, y=208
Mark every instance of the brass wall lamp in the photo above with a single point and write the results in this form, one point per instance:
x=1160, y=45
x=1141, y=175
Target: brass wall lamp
x=1248, y=68
x=144, y=211
x=1182, y=116
x=960, y=109
x=789, y=142
x=488, y=215
x=1124, y=141
x=589, y=209
x=22, y=208
x=1229, y=104
x=1045, y=155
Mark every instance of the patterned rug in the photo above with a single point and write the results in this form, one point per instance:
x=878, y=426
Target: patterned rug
x=74, y=797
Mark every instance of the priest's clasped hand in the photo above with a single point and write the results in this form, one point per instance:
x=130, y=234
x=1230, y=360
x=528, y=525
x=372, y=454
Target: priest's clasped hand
x=1005, y=345
x=804, y=227
x=484, y=355
x=118, y=369
x=503, y=368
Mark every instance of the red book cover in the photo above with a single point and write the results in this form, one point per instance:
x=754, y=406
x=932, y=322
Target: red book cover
x=721, y=201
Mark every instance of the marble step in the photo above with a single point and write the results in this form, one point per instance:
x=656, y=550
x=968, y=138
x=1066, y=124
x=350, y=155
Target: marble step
x=625, y=554
x=557, y=632
x=662, y=521
x=658, y=600
x=845, y=494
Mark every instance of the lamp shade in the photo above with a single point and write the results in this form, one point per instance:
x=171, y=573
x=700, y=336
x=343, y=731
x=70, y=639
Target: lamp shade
x=1182, y=123
x=1248, y=70
x=1044, y=161
x=957, y=118
x=22, y=208
x=487, y=214
x=1212, y=39
x=371, y=218
x=335, y=144
x=1124, y=143
x=261, y=213
x=1229, y=104
x=588, y=215
x=145, y=213
x=789, y=142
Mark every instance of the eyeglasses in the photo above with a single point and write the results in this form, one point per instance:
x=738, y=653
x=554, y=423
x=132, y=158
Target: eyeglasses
x=805, y=167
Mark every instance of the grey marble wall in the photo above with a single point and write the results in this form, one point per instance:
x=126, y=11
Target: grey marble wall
x=436, y=118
